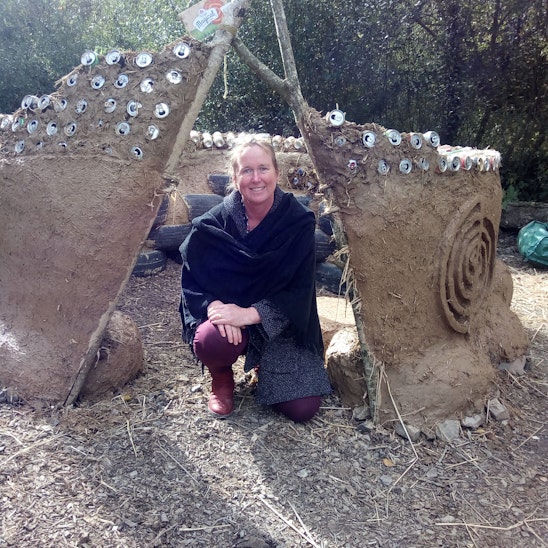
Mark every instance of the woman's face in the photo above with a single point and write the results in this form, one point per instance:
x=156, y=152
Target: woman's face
x=256, y=176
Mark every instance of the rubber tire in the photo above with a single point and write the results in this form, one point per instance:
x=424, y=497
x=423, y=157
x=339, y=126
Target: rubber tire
x=325, y=220
x=325, y=246
x=149, y=262
x=175, y=256
x=328, y=277
x=169, y=237
x=161, y=216
x=198, y=204
x=305, y=200
x=218, y=183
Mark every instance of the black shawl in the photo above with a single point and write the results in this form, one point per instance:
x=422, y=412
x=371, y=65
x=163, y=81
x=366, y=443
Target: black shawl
x=274, y=262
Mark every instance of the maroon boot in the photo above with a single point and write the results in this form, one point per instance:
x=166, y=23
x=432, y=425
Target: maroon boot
x=221, y=399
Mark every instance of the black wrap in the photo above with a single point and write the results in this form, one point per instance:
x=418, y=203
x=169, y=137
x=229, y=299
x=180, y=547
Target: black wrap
x=275, y=261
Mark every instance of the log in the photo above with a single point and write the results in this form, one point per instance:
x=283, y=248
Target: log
x=516, y=215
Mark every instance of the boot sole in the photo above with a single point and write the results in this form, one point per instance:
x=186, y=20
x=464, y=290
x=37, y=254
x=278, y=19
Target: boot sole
x=220, y=415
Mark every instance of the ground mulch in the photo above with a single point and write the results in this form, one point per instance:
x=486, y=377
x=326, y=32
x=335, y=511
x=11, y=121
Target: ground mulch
x=150, y=467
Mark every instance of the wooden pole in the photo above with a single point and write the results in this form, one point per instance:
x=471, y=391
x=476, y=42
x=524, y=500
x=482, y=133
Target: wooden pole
x=232, y=19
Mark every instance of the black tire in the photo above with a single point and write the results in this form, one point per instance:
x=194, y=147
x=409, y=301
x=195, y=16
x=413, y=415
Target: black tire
x=328, y=277
x=161, y=216
x=218, y=183
x=198, y=204
x=325, y=245
x=175, y=256
x=325, y=220
x=305, y=200
x=169, y=237
x=149, y=262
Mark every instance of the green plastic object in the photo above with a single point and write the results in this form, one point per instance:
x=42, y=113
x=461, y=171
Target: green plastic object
x=533, y=243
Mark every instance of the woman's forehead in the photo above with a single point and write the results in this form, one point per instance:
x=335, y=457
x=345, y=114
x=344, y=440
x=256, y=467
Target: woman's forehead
x=254, y=154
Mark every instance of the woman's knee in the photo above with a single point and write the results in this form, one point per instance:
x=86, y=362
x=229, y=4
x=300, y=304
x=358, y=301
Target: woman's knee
x=301, y=409
x=214, y=350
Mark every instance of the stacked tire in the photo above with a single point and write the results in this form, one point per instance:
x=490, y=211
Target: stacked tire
x=151, y=261
x=164, y=240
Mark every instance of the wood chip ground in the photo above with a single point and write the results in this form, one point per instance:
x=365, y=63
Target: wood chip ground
x=150, y=467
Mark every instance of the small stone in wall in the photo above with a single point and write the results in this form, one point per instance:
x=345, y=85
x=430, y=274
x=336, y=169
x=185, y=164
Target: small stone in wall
x=473, y=421
x=497, y=410
x=121, y=358
x=448, y=430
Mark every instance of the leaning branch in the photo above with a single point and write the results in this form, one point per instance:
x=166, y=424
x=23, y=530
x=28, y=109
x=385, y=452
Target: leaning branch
x=261, y=70
x=286, y=50
x=297, y=103
x=220, y=44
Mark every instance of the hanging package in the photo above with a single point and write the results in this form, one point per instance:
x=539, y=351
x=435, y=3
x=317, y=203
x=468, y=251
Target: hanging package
x=533, y=243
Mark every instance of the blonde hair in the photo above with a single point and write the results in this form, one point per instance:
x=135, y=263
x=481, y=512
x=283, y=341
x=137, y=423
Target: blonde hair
x=242, y=144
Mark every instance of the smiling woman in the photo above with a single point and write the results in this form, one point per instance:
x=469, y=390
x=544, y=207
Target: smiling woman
x=255, y=174
x=248, y=287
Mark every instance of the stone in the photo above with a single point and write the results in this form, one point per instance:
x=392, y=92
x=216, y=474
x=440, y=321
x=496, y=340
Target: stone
x=121, y=358
x=361, y=413
x=428, y=433
x=448, y=519
x=413, y=433
x=366, y=427
x=497, y=410
x=517, y=366
x=251, y=542
x=345, y=367
x=448, y=430
x=386, y=480
x=335, y=313
x=473, y=421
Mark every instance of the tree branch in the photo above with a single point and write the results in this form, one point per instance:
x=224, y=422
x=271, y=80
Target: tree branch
x=286, y=50
x=296, y=101
x=289, y=89
x=260, y=69
x=219, y=46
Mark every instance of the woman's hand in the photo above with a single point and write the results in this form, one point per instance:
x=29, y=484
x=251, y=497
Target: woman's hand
x=231, y=318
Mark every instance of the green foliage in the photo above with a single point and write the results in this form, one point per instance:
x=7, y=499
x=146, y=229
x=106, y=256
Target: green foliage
x=510, y=195
x=38, y=41
x=476, y=72
x=42, y=40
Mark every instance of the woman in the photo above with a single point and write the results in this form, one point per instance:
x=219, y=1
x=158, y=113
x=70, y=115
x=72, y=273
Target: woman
x=248, y=287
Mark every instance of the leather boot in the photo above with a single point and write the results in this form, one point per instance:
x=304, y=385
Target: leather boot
x=221, y=399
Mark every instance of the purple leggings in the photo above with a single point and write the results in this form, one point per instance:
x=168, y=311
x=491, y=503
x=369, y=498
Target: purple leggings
x=218, y=355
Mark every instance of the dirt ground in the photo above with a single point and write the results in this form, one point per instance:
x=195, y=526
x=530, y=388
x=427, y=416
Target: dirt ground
x=150, y=467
